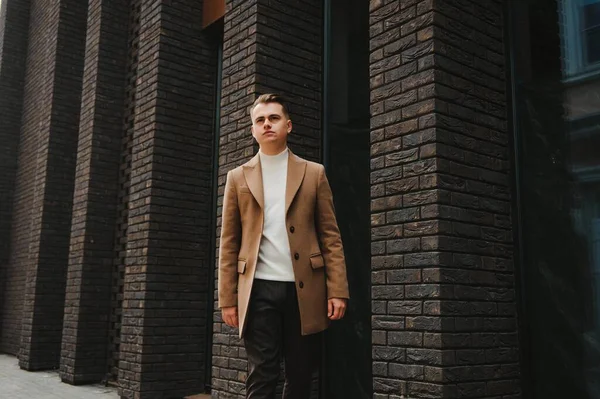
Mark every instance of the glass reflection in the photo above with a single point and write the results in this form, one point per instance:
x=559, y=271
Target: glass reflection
x=556, y=60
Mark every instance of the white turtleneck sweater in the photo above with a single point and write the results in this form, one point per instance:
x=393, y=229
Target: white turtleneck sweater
x=274, y=255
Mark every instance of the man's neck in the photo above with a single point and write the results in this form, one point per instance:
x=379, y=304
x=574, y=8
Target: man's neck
x=273, y=150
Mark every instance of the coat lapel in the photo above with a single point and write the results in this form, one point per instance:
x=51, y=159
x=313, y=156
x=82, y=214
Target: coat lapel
x=295, y=175
x=253, y=175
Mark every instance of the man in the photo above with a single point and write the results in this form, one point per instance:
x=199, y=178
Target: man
x=282, y=273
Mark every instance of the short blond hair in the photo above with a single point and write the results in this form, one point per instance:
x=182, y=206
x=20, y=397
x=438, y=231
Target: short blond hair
x=271, y=98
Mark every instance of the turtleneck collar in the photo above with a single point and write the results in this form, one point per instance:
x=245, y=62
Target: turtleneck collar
x=273, y=158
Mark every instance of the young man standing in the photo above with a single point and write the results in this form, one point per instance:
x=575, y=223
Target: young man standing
x=282, y=273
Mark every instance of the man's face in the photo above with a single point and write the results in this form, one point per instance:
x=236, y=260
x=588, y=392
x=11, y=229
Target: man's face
x=270, y=126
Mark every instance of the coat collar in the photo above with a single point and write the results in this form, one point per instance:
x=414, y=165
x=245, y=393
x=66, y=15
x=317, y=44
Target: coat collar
x=295, y=174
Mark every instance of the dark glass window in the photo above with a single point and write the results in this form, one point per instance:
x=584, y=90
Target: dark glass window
x=591, y=29
x=579, y=31
x=557, y=141
x=347, y=371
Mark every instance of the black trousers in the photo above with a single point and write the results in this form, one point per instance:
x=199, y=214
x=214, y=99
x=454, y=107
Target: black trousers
x=273, y=330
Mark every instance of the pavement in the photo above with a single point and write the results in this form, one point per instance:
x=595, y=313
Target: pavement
x=20, y=384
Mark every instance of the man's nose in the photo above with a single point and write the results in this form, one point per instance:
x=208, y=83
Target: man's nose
x=267, y=124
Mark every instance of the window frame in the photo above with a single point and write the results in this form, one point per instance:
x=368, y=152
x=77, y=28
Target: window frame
x=573, y=38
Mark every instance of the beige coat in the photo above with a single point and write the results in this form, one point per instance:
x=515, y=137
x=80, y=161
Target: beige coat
x=313, y=234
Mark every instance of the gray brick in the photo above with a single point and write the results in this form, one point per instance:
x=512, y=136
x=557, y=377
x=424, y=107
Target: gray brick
x=406, y=372
x=405, y=339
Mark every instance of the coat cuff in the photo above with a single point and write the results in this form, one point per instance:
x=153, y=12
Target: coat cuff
x=340, y=294
x=227, y=301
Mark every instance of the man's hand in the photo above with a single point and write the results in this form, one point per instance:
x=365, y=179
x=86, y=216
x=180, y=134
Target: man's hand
x=230, y=316
x=336, y=308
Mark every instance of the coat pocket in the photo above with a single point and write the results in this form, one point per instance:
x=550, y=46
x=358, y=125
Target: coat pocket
x=241, y=266
x=317, y=261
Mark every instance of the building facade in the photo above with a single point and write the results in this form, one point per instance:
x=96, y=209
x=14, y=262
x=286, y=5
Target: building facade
x=462, y=144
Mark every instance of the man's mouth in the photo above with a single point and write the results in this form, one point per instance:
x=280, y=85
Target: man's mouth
x=269, y=131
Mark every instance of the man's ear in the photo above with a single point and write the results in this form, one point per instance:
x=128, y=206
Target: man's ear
x=289, y=126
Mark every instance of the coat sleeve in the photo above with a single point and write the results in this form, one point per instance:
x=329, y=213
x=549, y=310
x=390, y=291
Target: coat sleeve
x=330, y=240
x=229, y=245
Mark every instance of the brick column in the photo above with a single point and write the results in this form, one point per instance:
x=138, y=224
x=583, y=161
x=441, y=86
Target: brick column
x=164, y=319
x=443, y=284
x=87, y=302
x=269, y=46
x=55, y=65
x=14, y=24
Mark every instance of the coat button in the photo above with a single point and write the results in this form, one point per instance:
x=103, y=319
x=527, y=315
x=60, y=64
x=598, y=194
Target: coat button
x=296, y=256
x=292, y=229
x=301, y=285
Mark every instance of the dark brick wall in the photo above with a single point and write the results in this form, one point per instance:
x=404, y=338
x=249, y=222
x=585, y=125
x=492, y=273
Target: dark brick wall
x=443, y=285
x=14, y=24
x=120, y=241
x=57, y=40
x=165, y=304
x=33, y=101
x=268, y=46
x=91, y=252
x=474, y=167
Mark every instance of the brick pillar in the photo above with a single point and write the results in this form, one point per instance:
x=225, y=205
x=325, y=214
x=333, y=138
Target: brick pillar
x=269, y=46
x=164, y=319
x=14, y=23
x=87, y=302
x=444, y=323
x=49, y=138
